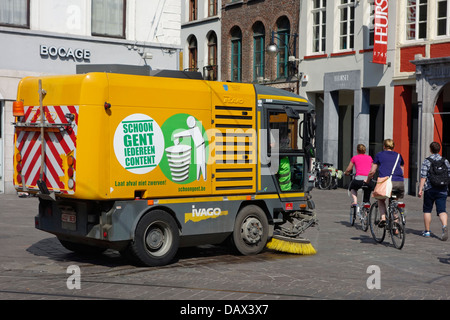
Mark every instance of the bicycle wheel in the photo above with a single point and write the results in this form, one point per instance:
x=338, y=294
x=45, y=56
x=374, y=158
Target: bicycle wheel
x=364, y=218
x=378, y=233
x=325, y=180
x=352, y=215
x=397, y=230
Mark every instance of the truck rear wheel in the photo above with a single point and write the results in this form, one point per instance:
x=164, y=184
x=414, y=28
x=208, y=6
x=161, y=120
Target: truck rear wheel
x=251, y=230
x=156, y=239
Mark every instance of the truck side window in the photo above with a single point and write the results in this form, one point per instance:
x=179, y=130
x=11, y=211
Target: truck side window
x=289, y=131
x=286, y=140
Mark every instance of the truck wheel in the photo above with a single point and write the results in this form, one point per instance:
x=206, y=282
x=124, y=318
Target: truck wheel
x=251, y=230
x=156, y=239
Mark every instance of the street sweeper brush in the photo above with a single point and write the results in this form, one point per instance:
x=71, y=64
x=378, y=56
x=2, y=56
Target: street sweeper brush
x=291, y=245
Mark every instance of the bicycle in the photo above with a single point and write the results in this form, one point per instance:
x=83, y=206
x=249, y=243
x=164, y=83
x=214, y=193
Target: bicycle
x=360, y=211
x=322, y=175
x=395, y=222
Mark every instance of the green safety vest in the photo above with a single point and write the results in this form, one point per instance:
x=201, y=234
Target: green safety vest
x=284, y=174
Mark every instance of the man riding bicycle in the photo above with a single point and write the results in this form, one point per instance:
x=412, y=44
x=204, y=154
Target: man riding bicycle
x=362, y=163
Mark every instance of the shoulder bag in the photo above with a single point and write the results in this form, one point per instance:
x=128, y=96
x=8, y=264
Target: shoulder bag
x=383, y=188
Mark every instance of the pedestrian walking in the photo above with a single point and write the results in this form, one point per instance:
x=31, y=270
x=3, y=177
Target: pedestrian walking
x=434, y=179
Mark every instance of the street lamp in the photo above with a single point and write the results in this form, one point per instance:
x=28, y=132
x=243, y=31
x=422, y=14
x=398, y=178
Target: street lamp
x=273, y=49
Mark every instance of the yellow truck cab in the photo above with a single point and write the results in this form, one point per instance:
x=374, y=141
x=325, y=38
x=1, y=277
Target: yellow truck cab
x=147, y=164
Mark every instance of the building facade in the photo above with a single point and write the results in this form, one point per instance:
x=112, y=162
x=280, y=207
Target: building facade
x=201, y=37
x=326, y=50
x=406, y=98
x=260, y=42
x=42, y=37
x=422, y=81
x=353, y=95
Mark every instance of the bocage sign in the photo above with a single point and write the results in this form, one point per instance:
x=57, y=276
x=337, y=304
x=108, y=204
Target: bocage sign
x=64, y=53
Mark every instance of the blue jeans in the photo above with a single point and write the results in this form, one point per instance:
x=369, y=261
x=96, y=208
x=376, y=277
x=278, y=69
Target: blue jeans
x=437, y=196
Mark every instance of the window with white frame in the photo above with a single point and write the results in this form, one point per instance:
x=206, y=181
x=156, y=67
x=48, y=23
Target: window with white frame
x=108, y=18
x=416, y=19
x=371, y=23
x=319, y=24
x=346, y=24
x=15, y=13
x=442, y=18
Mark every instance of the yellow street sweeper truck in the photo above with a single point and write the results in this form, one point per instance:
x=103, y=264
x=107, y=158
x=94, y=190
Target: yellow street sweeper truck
x=145, y=164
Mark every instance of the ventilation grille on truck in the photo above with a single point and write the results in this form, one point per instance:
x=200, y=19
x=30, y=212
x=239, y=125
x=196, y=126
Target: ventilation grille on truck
x=234, y=149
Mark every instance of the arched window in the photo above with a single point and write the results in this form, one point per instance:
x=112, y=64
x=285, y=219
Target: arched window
x=283, y=31
x=236, y=54
x=212, y=56
x=192, y=64
x=258, y=50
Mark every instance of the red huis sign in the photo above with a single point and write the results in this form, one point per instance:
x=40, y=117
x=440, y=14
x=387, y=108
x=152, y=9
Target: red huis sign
x=381, y=31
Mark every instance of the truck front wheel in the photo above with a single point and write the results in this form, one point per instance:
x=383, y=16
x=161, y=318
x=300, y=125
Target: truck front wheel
x=251, y=230
x=156, y=239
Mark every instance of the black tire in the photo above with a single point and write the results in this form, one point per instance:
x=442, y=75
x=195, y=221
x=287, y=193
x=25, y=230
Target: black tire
x=81, y=248
x=364, y=219
x=378, y=233
x=325, y=180
x=352, y=215
x=251, y=230
x=156, y=239
x=397, y=231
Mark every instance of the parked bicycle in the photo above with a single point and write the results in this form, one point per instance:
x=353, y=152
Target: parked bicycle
x=395, y=222
x=325, y=175
x=361, y=211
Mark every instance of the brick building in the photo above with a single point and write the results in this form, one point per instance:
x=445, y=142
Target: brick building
x=248, y=28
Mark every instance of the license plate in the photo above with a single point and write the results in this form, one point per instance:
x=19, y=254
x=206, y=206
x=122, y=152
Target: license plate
x=69, y=218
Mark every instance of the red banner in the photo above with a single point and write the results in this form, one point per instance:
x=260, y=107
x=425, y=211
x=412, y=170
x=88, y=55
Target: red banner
x=381, y=31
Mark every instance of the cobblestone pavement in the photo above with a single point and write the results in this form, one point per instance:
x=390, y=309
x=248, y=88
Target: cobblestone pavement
x=34, y=266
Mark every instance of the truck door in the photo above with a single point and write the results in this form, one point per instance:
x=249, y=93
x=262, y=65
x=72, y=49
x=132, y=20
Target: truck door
x=286, y=144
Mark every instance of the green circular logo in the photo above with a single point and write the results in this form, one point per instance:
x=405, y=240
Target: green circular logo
x=186, y=149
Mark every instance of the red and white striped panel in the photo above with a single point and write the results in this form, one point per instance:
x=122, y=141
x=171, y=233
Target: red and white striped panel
x=59, y=143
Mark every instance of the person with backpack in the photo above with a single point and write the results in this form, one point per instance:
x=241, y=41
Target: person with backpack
x=434, y=179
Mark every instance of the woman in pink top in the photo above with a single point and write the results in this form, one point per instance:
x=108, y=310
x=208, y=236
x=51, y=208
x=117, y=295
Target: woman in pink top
x=363, y=164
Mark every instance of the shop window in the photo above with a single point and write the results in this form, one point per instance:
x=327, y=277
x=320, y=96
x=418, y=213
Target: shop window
x=15, y=13
x=108, y=18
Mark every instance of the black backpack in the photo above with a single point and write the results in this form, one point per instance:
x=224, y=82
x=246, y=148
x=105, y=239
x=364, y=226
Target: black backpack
x=438, y=173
